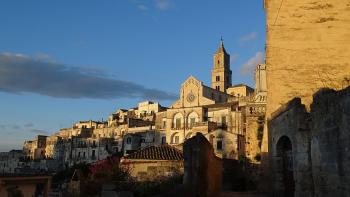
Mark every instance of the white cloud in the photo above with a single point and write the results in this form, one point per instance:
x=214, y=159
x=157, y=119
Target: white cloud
x=249, y=67
x=163, y=4
x=249, y=37
x=142, y=7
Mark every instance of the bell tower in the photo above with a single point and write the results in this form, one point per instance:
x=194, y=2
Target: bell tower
x=221, y=74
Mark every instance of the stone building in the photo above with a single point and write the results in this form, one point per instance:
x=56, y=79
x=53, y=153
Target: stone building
x=307, y=49
x=254, y=116
x=80, y=149
x=35, y=149
x=228, y=116
x=216, y=112
x=240, y=90
x=10, y=161
x=154, y=162
x=26, y=186
x=135, y=141
x=51, y=148
x=221, y=75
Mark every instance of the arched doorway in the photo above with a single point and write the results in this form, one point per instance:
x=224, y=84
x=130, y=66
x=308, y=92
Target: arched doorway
x=285, y=165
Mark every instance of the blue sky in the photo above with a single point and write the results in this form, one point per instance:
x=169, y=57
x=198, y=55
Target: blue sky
x=65, y=61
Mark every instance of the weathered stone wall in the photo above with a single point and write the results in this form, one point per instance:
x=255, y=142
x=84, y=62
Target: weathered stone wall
x=252, y=147
x=330, y=145
x=203, y=170
x=320, y=144
x=150, y=170
x=291, y=121
x=307, y=48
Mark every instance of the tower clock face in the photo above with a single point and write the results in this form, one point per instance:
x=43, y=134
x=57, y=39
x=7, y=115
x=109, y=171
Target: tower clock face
x=191, y=97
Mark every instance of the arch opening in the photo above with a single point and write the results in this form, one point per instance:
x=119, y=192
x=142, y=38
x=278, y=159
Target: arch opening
x=285, y=168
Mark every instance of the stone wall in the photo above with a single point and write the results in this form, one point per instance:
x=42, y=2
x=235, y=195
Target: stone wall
x=307, y=48
x=291, y=123
x=203, y=170
x=316, y=163
x=150, y=170
x=330, y=145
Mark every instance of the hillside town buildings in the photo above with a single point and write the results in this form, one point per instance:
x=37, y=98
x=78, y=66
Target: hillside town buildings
x=229, y=116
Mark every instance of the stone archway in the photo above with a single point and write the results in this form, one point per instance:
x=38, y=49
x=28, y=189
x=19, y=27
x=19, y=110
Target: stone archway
x=285, y=169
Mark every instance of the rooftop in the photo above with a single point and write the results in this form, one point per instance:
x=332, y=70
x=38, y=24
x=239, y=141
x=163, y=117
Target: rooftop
x=163, y=152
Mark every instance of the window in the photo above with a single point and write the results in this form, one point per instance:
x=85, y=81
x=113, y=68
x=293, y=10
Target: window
x=219, y=145
x=192, y=121
x=217, y=78
x=79, y=155
x=164, y=124
x=178, y=123
x=163, y=140
x=84, y=155
x=94, y=143
x=212, y=96
x=227, y=78
x=143, y=140
x=217, y=88
x=223, y=120
x=128, y=140
x=177, y=139
x=93, y=154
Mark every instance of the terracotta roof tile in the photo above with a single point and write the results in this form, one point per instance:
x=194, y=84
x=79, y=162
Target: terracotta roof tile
x=164, y=152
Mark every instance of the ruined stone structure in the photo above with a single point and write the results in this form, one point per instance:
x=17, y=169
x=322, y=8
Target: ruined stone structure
x=203, y=170
x=310, y=150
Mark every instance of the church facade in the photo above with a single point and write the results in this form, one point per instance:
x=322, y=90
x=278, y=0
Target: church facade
x=218, y=112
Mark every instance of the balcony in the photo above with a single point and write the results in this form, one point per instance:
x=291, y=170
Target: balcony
x=208, y=126
x=177, y=127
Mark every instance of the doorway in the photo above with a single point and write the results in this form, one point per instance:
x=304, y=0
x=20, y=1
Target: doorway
x=285, y=166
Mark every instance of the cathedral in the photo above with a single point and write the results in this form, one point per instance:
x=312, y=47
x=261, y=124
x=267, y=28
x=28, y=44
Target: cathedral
x=218, y=112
